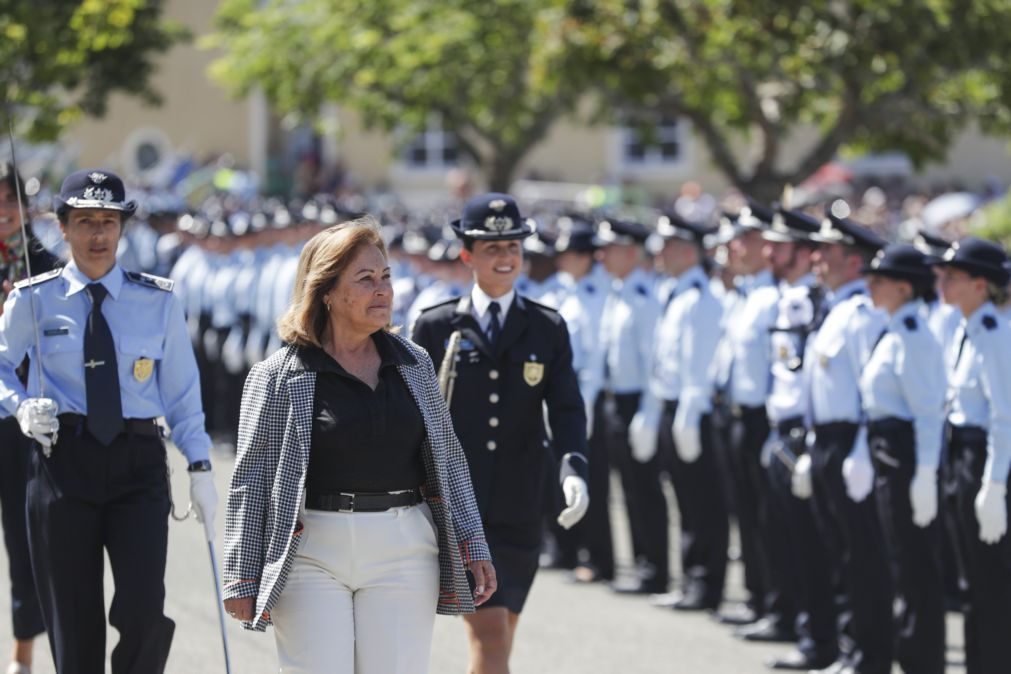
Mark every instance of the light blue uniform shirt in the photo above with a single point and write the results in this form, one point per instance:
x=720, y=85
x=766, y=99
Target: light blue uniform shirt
x=905, y=378
x=749, y=338
x=631, y=311
x=733, y=328
x=582, y=307
x=686, y=344
x=980, y=385
x=146, y=323
x=838, y=354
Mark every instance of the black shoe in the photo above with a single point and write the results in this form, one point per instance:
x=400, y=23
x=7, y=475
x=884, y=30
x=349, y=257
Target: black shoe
x=799, y=661
x=741, y=614
x=680, y=600
x=635, y=586
x=768, y=629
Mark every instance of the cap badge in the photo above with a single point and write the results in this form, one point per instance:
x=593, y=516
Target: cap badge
x=97, y=178
x=497, y=204
x=497, y=223
x=97, y=193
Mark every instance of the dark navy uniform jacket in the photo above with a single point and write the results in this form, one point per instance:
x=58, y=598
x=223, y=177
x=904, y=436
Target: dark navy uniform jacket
x=498, y=404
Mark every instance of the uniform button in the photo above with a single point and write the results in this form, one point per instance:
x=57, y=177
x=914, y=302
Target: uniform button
x=493, y=374
x=491, y=445
x=546, y=443
x=493, y=397
x=493, y=422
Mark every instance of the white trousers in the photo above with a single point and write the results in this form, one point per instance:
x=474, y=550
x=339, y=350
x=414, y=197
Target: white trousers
x=361, y=595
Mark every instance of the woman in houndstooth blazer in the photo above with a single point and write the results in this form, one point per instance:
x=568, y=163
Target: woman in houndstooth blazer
x=350, y=579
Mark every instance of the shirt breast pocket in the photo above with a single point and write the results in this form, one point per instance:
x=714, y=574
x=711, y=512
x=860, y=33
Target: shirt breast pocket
x=63, y=340
x=139, y=355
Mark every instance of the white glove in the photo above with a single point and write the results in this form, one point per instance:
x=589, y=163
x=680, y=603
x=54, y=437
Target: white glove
x=923, y=495
x=687, y=435
x=991, y=511
x=577, y=498
x=642, y=436
x=589, y=420
x=37, y=418
x=800, y=481
x=204, y=499
x=859, y=477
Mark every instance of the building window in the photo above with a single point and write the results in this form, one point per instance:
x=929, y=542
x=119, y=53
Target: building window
x=433, y=148
x=661, y=147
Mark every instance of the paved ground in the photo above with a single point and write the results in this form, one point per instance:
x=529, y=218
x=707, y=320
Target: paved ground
x=565, y=629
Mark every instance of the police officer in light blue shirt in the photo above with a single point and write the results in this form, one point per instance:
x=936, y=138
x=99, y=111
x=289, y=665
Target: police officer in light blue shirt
x=114, y=356
x=619, y=369
x=675, y=421
x=974, y=278
x=902, y=388
x=840, y=467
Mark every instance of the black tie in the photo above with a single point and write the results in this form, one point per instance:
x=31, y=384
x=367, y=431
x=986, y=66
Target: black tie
x=495, y=327
x=961, y=347
x=101, y=374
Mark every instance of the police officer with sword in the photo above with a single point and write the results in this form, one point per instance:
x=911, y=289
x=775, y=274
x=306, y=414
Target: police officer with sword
x=110, y=355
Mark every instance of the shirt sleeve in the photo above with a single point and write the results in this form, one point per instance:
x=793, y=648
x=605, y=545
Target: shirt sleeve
x=179, y=385
x=698, y=349
x=16, y=337
x=921, y=377
x=996, y=377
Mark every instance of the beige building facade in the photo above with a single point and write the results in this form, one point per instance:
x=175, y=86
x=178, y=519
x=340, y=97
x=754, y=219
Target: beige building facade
x=199, y=119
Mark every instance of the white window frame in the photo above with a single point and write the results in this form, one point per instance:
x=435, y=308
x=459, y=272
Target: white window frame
x=652, y=164
x=434, y=139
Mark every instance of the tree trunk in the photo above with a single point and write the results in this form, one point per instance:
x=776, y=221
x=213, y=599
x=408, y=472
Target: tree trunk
x=499, y=169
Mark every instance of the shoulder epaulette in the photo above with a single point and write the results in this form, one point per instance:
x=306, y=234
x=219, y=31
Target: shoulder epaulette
x=910, y=323
x=38, y=278
x=150, y=281
x=642, y=290
x=544, y=307
x=989, y=322
x=453, y=300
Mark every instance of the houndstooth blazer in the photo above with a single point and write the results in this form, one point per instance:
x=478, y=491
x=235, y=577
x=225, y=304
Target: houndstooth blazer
x=262, y=530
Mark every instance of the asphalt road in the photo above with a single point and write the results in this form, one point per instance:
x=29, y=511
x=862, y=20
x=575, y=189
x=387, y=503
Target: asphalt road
x=565, y=629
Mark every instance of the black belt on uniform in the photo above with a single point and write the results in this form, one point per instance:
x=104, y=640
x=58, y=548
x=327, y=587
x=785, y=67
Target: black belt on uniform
x=888, y=425
x=835, y=427
x=740, y=411
x=787, y=426
x=970, y=436
x=362, y=502
x=147, y=427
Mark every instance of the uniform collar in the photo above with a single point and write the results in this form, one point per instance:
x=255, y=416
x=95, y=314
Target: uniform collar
x=480, y=300
x=77, y=281
x=912, y=309
x=974, y=323
x=846, y=291
x=691, y=277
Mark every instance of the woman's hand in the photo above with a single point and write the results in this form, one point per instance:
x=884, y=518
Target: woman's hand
x=241, y=609
x=485, y=582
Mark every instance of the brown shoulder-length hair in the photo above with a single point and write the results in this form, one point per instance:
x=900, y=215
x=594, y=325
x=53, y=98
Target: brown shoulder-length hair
x=324, y=258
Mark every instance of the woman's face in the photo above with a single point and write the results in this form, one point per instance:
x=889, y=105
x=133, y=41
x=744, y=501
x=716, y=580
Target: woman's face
x=9, y=221
x=960, y=289
x=362, y=298
x=888, y=293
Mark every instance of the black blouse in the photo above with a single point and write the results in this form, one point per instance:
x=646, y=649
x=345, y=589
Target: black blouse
x=364, y=440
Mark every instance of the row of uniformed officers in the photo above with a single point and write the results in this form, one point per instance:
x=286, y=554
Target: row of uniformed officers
x=846, y=400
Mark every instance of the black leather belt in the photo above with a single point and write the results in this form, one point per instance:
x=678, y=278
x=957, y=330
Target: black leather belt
x=788, y=426
x=147, y=427
x=361, y=502
x=888, y=425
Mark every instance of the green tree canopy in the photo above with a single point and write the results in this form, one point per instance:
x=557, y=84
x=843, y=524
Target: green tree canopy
x=874, y=75
x=61, y=60
x=869, y=75
x=488, y=69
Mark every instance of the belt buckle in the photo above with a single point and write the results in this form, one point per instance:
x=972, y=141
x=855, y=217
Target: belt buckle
x=350, y=509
